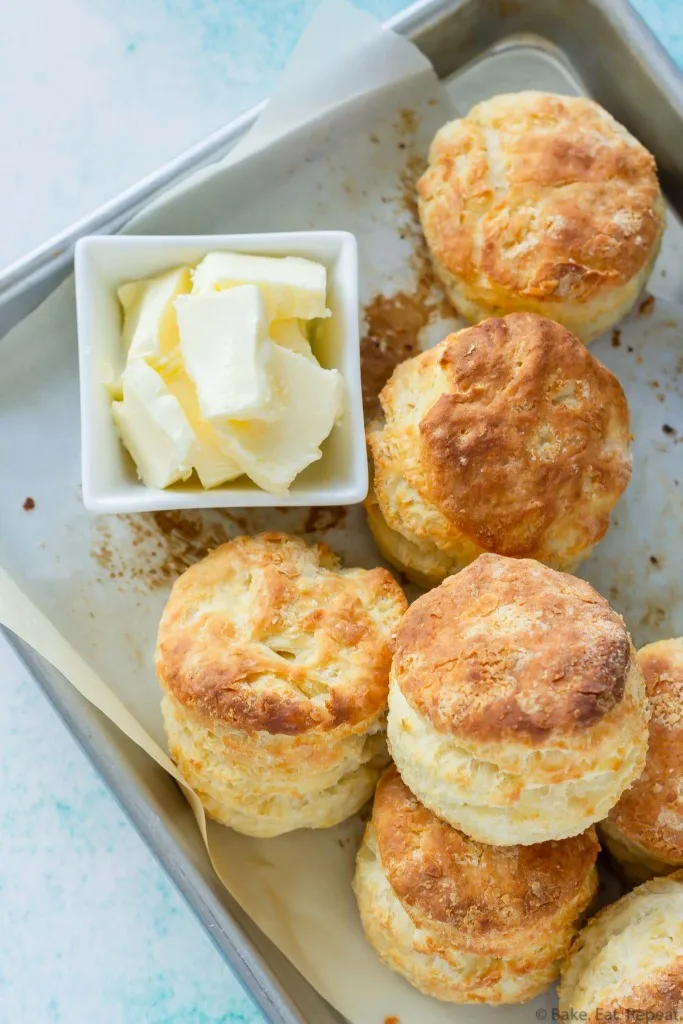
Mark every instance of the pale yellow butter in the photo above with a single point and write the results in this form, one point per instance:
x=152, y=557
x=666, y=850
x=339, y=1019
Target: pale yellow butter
x=210, y=456
x=290, y=334
x=290, y=286
x=309, y=400
x=220, y=376
x=150, y=330
x=226, y=352
x=153, y=427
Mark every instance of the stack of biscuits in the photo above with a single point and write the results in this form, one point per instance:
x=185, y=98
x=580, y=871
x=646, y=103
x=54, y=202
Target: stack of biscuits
x=509, y=697
x=517, y=718
x=275, y=663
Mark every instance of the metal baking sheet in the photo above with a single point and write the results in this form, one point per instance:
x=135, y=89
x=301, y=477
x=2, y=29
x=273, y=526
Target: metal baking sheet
x=479, y=48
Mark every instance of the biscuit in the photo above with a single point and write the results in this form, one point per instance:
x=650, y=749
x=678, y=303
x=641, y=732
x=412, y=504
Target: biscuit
x=275, y=662
x=541, y=203
x=517, y=710
x=627, y=963
x=464, y=922
x=507, y=437
x=644, y=830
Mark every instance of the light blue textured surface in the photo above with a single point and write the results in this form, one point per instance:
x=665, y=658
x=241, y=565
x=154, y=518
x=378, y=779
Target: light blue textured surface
x=103, y=90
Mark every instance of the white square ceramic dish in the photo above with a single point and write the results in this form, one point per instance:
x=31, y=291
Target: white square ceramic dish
x=110, y=482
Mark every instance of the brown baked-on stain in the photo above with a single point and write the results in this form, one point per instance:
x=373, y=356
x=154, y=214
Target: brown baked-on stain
x=407, y=121
x=668, y=429
x=393, y=323
x=325, y=518
x=647, y=305
x=654, y=561
x=29, y=505
x=653, y=618
x=616, y=338
x=103, y=555
x=161, y=546
x=154, y=548
x=239, y=521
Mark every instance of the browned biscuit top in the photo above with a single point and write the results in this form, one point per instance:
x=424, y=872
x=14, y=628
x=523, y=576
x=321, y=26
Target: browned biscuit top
x=266, y=633
x=485, y=893
x=528, y=444
x=509, y=649
x=540, y=196
x=659, y=997
x=651, y=810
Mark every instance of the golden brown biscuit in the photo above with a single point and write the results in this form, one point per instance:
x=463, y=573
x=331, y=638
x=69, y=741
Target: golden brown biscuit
x=627, y=963
x=517, y=710
x=644, y=831
x=542, y=203
x=507, y=437
x=465, y=922
x=275, y=664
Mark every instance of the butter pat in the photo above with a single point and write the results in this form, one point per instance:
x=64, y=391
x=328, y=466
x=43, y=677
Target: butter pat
x=150, y=330
x=220, y=376
x=291, y=286
x=153, y=427
x=308, y=402
x=210, y=455
x=225, y=349
x=289, y=334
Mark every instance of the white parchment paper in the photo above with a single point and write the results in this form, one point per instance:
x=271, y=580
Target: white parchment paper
x=339, y=146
